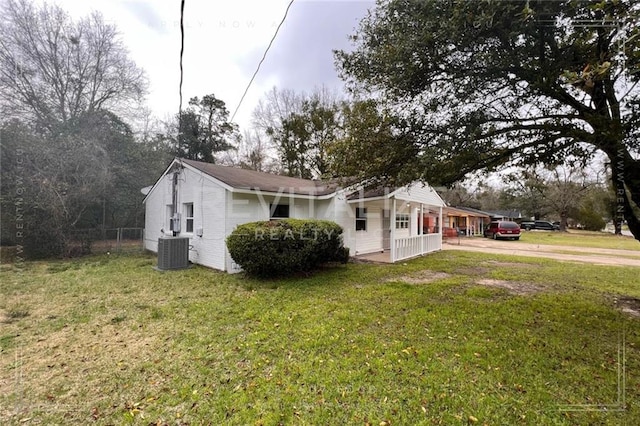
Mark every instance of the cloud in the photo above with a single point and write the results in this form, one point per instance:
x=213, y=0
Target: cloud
x=302, y=54
x=144, y=13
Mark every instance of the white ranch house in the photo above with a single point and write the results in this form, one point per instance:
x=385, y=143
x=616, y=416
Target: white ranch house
x=208, y=201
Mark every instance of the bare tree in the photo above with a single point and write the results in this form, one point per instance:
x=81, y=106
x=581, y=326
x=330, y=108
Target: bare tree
x=63, y=86
x=300, y=127
x=460, y=195
x=559, y=191
x=251, y=152
x=275, y=106
x=565, y=190
x=53, y=69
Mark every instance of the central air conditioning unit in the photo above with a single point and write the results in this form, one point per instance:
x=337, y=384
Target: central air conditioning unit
x=173, y=253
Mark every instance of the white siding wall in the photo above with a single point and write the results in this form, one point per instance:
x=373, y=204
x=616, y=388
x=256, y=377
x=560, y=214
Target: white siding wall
x=208, y=200
x=341, y=213
x=155, y=213
x=360, y=242
x=420, y=194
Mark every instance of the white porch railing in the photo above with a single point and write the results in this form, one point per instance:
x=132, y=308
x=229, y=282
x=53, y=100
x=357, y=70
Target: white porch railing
x=404, y=248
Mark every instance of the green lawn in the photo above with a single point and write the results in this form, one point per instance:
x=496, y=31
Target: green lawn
x=451, y=338
x=581, y=238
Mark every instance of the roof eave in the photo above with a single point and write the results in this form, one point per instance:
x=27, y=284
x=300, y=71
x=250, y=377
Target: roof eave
x=257, y=191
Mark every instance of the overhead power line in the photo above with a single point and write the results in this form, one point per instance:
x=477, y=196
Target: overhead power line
x=262, y=60
x=181, y=54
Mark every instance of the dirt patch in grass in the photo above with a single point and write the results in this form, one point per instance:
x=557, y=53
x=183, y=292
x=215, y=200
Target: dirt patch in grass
x=422, y=277
x=514, y=287
x=476, y=270
x=629, y=305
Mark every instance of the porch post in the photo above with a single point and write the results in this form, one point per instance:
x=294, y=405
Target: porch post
x=393, y=230
x=421, y=228
x=441, y=224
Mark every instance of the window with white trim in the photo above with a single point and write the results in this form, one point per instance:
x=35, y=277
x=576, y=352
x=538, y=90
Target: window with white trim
x=188, y=217
x=361, y=219
x=402, y=221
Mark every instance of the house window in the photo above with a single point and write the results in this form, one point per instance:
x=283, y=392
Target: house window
x=279, y=211
x=188, y=217
x=361, y=219
x=402, y=221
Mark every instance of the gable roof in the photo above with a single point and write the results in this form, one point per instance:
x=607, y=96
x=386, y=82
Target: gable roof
x=243, y=180
x=259, y=181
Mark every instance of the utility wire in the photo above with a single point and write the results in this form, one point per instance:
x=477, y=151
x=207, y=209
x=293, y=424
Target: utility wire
x=181, y=54
x=263, y=58
x=181, y=74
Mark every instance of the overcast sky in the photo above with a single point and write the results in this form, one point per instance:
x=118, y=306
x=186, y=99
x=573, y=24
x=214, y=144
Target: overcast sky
x=224, y=41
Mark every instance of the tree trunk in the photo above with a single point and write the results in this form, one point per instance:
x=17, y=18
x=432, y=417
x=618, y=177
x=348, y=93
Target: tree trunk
x=617, y=225
x=625, y=175
x=563, y=221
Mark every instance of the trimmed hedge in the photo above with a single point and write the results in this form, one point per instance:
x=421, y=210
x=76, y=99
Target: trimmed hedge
x=282, y=247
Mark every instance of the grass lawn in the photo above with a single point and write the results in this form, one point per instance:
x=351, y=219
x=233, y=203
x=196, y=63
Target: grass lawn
x=581, y=238
x=451, y=338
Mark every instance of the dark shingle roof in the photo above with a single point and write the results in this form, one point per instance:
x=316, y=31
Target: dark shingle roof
x=260, y=181
x=371, y=193
x=474, y=211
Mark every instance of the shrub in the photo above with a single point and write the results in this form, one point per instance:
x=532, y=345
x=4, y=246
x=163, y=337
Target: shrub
x=282, y=247
x=591, y=220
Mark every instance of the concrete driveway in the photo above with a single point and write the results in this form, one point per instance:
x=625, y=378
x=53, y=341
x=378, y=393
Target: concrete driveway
x=595, y=256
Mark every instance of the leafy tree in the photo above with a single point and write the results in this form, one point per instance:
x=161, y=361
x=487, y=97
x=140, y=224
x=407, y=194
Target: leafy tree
x=58, y=189
x=304, y=138
x=492, y=198
x=68, y=161
x=54, y=69
x=488, y=84
x=292, y=144
x=528, y=188
x=204, y=129
x=301, y=129
x=388, y=154
x=593, y=210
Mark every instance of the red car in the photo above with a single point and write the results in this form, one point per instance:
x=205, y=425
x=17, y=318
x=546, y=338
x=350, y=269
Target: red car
x=502, y=229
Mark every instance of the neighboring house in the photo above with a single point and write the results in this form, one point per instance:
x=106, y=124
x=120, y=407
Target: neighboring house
x=512, y=215
x=208, y=201
x=466, y=220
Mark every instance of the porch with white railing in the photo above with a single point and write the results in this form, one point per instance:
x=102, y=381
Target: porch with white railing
x=404, y=225
x=405, y=248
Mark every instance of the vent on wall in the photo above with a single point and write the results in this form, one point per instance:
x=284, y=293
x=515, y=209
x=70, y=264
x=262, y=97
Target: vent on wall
x=173, y=253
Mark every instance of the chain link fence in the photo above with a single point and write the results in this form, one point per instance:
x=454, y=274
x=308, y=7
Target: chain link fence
x=100, y=241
